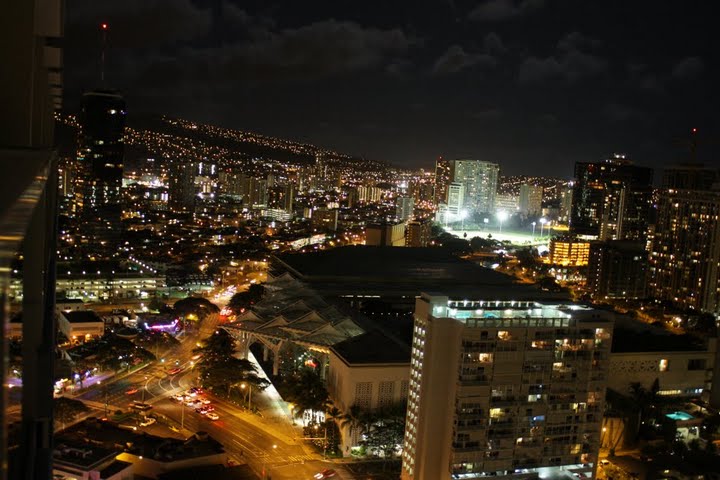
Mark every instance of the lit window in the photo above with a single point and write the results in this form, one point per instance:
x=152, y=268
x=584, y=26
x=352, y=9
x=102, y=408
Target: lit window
x=663, y=365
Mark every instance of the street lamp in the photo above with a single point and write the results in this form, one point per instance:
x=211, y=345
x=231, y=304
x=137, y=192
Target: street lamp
x=502, y=215
x=144, y=388
x=249, y=394
x=265, y=461
x=533, y=234
x=543, y=221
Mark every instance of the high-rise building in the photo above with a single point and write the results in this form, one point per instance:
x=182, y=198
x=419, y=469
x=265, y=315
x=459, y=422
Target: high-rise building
x=386, y=234
x=404, y=208
x=289, y=197
x=690, y=177
x=611, y=200
x=444, y=173
x=506, y=202
x=258, y=192
x=181, y=190
x=369, y=194
x=326, y=218
x=617, y=269
x=480, y=181
x=566, y=204
x=504, y=388
x=418, y=233
x=685, y=258
x=101, y=154
x=530, y=202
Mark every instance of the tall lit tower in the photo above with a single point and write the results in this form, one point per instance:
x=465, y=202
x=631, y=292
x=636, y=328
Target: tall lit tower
x=443, y=177
x=101, y=155
x=611, y=200
x=480, y=181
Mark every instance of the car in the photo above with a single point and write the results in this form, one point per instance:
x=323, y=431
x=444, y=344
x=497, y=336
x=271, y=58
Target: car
x=147, y=422
x=141, y=406
x=190, y=393
x=604, y=462
x=212, y=416
x=131, y=391
x=208, y=408
x=175, y=371
x=327, y=473
x=201, y=410
x=205, y=401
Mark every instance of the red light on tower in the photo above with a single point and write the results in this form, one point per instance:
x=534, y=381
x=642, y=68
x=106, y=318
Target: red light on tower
x=103, y=26
x=694, y=130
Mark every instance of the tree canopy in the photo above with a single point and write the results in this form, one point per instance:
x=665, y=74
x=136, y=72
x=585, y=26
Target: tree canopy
x=243, y=300
x=220, y=370
x=200, y=307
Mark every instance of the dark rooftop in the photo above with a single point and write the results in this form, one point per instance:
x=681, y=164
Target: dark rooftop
x=113, y=468
x=372, y=348
x=400, y=272
x=82, y=316
x=109, y=435
x=631, y=335
x=215, y=472
x=388, y=264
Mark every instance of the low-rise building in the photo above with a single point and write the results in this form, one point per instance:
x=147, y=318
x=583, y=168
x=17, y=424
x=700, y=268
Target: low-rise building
x=80, y=325
x=682, y=365
x=370, y=371
x=80, y=461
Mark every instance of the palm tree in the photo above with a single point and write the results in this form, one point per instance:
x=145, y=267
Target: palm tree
x=354, y=420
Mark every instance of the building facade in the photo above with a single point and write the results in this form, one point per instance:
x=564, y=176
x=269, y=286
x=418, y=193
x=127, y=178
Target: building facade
x=504, y=388
x=479, y=180
x=444, y=173
x=611, y=200
x=181, y=190
x=569, y=252
x=617, y=269
x=101, y=153
x=530, y=201
x=418, y=233
x=385, y=234
x=685, y=257
x=404, y=207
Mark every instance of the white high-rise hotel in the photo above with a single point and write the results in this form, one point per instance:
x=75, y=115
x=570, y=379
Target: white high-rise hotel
x=512, y=389
x=480, y=181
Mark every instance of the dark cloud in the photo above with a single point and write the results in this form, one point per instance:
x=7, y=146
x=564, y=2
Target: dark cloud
x=688, y=68
x=490, y=114
x=616, y=112
x=456, y=59
x=569, y=63
x=322, y=48
x=577, y=41
x=496, y=10
x=493, y=45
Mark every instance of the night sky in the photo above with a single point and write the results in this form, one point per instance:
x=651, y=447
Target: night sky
x=534, y=85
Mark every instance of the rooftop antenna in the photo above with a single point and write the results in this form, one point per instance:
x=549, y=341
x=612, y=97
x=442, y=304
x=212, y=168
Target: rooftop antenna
x=104, y=30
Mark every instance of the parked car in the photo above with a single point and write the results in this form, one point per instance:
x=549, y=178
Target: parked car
x=327, y=473
x=147, y=422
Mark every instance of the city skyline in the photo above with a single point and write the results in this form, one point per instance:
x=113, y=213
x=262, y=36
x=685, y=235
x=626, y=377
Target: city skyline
x=533, y=86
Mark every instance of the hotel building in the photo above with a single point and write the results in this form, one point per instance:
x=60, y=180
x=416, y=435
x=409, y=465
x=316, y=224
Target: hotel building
x=511, y=389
